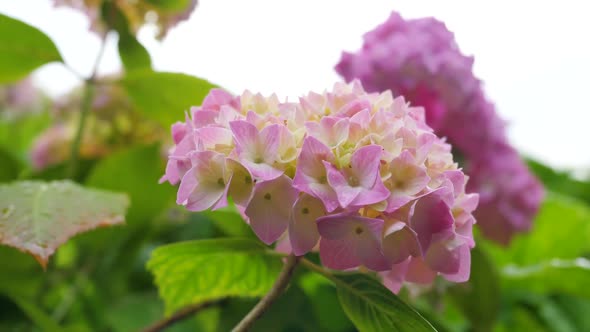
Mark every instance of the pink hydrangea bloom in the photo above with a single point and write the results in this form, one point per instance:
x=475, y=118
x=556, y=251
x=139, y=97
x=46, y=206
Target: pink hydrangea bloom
x=420, y=60
x=358, y=176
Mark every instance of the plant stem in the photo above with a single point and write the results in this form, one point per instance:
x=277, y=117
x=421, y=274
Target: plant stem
x=85, y=108
x=276, y=290
x=318, y=269
x=179, y=315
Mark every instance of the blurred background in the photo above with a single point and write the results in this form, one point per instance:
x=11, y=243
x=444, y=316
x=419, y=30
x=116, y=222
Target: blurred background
x=532, y=56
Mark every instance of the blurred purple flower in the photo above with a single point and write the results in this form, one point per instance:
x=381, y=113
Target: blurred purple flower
x=420, y=60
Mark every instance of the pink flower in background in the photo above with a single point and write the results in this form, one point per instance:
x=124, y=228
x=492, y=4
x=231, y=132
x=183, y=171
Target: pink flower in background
x=359, y=177
x=420, y=60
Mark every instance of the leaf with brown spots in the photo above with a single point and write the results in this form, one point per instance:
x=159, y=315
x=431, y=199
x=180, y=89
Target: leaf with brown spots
x=37, y=217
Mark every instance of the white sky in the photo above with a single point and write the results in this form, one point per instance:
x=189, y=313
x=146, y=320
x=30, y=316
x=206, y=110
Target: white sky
x=534, y=56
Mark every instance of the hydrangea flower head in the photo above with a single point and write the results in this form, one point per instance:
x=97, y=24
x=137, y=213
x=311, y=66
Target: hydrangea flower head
x=359, y=177
x=419, y=59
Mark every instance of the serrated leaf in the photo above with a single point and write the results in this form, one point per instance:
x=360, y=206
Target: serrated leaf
x=23, y=48
x=372, y=307
x=554, y=276
x=195, y=271
x=37, y=217
x=165, y=97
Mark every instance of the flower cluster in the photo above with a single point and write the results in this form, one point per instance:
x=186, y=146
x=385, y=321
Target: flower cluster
x=135, y=12
x=420, y=60
x=359, y=176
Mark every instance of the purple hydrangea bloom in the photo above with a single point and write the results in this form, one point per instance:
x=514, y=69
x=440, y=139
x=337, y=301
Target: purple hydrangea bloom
x=420, y=60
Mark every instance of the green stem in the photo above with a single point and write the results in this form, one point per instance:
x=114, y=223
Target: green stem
x=85, y=108
x=316, y=268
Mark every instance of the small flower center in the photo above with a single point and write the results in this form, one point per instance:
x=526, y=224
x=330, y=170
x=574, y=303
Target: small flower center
x=353, y=181
x=258, y=160
x=323, y=179
x=305, y=210
x=267, y=196
x=359, y=230
x=220, y=182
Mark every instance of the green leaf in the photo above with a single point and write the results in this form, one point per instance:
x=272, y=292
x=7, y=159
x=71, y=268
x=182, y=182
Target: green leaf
x=170, y=5
x=133, y=54
x=561, y=230
x=165, y=97
x=372, y=307
x=196, y=271
x=9, y=166
x=37, y=217
x=23, y=48
x=324, y=302
x=135, y=171
x=554, y=276
x=479, y=298
x=38, y=316
x=561, y=181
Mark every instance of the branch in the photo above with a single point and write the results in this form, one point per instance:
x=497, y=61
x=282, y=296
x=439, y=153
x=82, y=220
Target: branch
x=276, y=290
x=179, y=315
x=85, y=109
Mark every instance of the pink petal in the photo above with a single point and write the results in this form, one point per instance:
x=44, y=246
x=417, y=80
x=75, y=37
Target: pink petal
x=431, y=215
x=400, y=242
x=365, y=164
x=245, y=136
x=338, y=254
x=241, y=184
x=394, y=278
x=361, y=233
x=464, y=270
x=270, y=209
x=303, y=229
x=418, y=272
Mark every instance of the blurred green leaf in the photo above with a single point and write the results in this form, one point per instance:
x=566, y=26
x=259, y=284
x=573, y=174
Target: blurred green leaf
x=196, y=271
x=561, y=230
x=372, y=307
x=554, y=276
x=524, y=320
x=560, y=181
x=324, y=302
x=17, y=134
x=133, y=54
x=170, y=5
x=38, y=316
x=229, y=221
x=135, y=171
x=479, y=298
x=576, y=309
x=21, y=275
x=23, y=48
x=9, y=167
x=37, y=217
x=165, y=97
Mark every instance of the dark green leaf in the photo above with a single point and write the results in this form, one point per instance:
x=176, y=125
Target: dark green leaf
x=38, y=316
x=324, y=301
x=372, y=307
x=165, y=97
x=133, y=54
x=196, y=271
x=23, y=48
x=9, y=167
x=37, y=217
x=135, y=171
x=479, y=298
